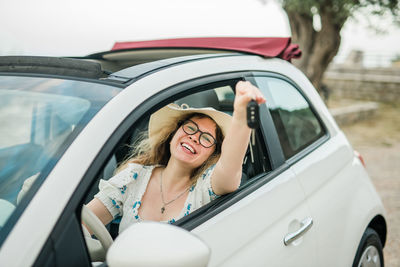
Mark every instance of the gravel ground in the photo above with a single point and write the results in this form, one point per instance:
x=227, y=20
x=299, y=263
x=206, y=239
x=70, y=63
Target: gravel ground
x=378, y=141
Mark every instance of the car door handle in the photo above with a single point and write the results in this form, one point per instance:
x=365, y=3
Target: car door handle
x=306, y=225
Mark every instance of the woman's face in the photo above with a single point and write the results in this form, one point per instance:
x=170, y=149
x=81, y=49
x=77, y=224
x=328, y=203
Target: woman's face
x=187, y=148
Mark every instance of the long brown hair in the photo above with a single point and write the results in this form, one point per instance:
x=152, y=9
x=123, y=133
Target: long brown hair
x=156, y=150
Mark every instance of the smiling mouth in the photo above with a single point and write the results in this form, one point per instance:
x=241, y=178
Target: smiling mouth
x=188, y=147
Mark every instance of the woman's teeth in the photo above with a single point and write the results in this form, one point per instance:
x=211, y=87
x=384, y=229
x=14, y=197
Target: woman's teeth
x=188, y=147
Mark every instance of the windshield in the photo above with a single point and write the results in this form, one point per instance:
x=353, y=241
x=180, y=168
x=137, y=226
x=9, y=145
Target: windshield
x=38, y=116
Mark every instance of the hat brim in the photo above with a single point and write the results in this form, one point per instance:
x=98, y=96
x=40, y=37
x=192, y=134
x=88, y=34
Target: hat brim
x=164, y=116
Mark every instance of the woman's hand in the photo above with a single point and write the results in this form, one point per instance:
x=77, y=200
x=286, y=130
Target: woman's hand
x=245, y=92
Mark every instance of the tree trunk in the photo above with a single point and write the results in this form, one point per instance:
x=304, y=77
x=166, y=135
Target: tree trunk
x=318, y=47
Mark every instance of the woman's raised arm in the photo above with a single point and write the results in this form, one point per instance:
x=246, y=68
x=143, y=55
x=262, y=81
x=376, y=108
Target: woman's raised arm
x=228, y=170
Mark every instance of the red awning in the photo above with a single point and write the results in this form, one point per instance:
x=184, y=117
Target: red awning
x=268, y=47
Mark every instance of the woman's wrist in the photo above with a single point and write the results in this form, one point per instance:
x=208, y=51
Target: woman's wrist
x=239, y=120
x=239, y=116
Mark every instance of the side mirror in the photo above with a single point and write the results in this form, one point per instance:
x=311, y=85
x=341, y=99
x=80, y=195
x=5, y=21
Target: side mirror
x=157, y=244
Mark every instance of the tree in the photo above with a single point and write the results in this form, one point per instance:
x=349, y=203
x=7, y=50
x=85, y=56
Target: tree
x=320, y=46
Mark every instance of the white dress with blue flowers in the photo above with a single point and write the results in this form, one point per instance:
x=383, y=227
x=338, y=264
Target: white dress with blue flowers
x=122, y=194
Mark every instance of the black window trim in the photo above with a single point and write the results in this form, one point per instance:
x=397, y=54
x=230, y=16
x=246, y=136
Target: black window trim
x=269, y=133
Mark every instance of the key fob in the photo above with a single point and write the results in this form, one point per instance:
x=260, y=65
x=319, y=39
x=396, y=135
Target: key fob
x=252, y=114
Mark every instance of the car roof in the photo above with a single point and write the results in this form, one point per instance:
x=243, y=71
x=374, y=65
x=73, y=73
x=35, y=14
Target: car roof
x=131, y=74
x=91, y=69
x=127, y=62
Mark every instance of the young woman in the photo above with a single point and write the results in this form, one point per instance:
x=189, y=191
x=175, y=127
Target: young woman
x=190, y=157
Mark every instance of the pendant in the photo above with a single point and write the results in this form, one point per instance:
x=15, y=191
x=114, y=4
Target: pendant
x=162, y=209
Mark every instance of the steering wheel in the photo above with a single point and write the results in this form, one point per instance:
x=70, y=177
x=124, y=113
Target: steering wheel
x=99, y=230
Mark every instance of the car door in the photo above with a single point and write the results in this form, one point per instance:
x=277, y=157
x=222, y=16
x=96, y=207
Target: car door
x=319, y=161
x=333, y=180
x=251, y=224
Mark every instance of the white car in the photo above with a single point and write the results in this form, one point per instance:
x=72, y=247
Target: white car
x=305, y=197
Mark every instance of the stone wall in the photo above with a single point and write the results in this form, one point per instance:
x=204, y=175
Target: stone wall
x=354, y=113
x=379, y=84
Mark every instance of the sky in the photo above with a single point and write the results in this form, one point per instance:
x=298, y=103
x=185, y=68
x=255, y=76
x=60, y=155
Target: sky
x=82, y=27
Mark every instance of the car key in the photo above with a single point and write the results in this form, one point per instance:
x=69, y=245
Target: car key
x=252, y=122
x=252, y=118
x=252, y=114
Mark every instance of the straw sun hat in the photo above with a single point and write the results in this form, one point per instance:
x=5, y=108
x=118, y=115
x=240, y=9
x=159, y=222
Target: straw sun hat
x=164, y=116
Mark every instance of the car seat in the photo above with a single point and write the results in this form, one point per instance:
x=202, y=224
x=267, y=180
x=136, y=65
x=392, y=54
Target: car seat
x=201, y=99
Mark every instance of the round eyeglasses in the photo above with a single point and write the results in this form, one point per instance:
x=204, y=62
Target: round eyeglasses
x=205, y=139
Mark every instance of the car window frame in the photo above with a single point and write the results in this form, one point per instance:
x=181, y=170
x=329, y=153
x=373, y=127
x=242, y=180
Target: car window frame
x=162, y=98
x=316, y=143
x=152, y=104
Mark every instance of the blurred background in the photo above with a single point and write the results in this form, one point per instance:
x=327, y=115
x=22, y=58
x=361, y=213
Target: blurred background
x=351, y=54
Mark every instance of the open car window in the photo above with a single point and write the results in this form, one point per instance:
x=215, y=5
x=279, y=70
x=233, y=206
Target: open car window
x=219, y=96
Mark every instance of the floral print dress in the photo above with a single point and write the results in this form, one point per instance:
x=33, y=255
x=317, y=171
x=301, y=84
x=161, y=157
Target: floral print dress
x=122, y=194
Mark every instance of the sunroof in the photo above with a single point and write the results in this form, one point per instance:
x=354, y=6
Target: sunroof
x=264, y=46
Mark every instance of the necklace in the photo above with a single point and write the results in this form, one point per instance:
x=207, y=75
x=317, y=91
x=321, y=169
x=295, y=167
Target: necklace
x=162, y=195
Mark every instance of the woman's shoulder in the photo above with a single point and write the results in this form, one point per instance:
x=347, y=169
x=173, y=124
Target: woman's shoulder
x=136, y=167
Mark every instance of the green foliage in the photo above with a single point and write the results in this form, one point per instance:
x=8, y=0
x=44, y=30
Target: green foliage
x=340, y=10
x=316, y=26
x=396, y=58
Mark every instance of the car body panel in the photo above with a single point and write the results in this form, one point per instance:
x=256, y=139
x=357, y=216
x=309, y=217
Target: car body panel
x=334, y=176
x=255, y=227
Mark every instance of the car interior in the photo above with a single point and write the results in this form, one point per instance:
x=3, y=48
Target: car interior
x=46, y=126
x=218, y=97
